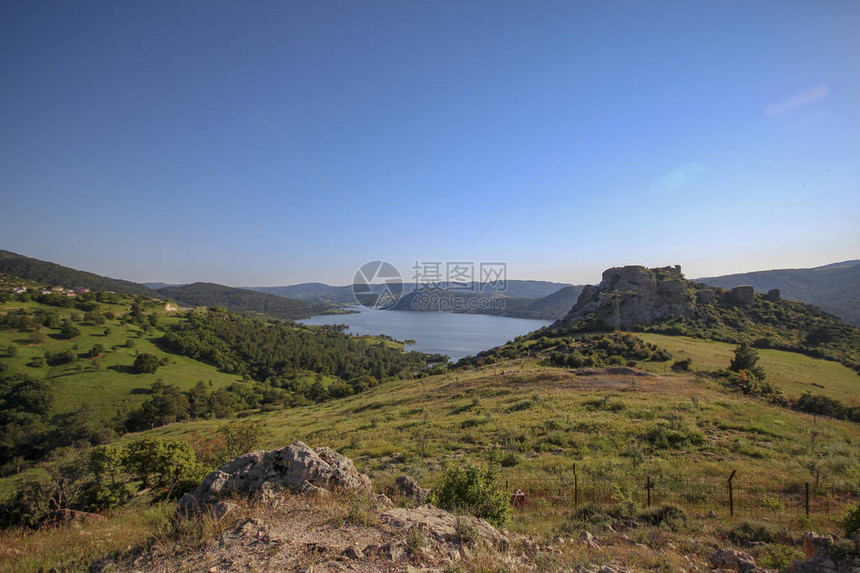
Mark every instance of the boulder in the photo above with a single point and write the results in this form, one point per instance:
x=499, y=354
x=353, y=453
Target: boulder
x=733, y=560
x=442, y=526
x=296, y=467
x=408, y=487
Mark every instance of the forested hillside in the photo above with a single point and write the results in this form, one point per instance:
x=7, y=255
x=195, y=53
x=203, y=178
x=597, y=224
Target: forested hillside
x=242, y=300
x=834, y=288
x=51, y=274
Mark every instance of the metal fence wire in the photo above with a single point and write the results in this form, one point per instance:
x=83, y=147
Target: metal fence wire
x=720, y=495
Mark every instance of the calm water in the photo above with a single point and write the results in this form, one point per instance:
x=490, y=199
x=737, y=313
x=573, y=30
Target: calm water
x=456, y=335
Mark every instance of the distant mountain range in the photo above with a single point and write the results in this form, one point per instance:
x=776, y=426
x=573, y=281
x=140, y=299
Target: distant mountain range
x=323, y=293
x=834, y=288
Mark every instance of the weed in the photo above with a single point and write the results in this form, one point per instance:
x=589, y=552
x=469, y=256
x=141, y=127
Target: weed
x=777, y=556
x=669, y=516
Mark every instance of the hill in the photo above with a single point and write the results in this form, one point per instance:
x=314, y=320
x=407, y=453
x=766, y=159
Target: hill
x=75, y=375
x=553, y=306
x=834, y=288
x=323, y=293
x=661, y=300
x=52, y=274
x=242, y=300
x=680, y=432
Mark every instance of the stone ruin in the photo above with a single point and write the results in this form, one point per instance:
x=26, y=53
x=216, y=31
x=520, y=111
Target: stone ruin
x=742, y=295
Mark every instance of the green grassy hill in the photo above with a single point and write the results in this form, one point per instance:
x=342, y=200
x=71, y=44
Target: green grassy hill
x=684, y=432
x=617, y=427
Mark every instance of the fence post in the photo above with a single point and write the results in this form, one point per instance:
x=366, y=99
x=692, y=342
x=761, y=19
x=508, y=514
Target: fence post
x=648, y=487
x=575, y=487
x=731, y=494
x=806, y=498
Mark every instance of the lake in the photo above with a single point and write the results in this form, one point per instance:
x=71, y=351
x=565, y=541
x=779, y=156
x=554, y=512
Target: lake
x=456, y=335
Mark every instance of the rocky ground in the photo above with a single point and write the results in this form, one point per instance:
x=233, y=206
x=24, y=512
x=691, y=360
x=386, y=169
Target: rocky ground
x=299, y=509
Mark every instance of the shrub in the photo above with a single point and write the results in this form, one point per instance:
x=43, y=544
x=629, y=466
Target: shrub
x=473, y=489
x=587, y=516
x=146, y=363
x=777, y=556
x=69, y=330
x=851, y=522
x=747, y=532
x=670, y=516
x=682, y=365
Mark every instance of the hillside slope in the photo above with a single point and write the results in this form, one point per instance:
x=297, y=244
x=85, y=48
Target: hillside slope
x=661, y=300
x=52, y=274
x=834, y=288
x=241, y=300
x=323, y=293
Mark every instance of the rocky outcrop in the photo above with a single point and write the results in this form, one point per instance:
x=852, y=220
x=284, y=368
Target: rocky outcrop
x=441, y=526
x=296, y=467
x=823, y=554
x=408, y=487
x=732, y=560
x=631, y=296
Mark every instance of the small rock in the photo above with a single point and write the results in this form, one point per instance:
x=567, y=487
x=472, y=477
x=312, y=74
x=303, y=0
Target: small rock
x=353, y=553
x=408, y=487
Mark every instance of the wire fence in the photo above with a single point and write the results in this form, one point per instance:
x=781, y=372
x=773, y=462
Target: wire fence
x=729, y=496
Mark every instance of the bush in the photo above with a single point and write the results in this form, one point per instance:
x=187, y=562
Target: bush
x=777, y=556
x=671, y=516
x=587, y=516
x=473, y=489
x=851, y=522
x=511, y=459
x=146, y=363
x=747, y=532
x=69, y=330
x=682, y=365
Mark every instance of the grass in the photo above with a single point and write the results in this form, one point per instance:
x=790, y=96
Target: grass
x=687, y=431
x=73, y=548
x=617, y=429
x=793, y=373
x=111, y=385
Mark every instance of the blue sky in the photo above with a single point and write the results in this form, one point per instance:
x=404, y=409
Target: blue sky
x=721, y=136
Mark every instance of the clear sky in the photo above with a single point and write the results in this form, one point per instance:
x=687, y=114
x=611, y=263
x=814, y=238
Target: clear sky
x=151, y=140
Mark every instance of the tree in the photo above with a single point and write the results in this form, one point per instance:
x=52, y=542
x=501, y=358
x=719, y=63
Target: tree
x=12, y=350
x=239, y=438
x=167, y=465
x=69, y=330
x=38, y=336
x=108, y=486
x=97, y=350
x=746, y=359
x=94, y=317
x=146, y=363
